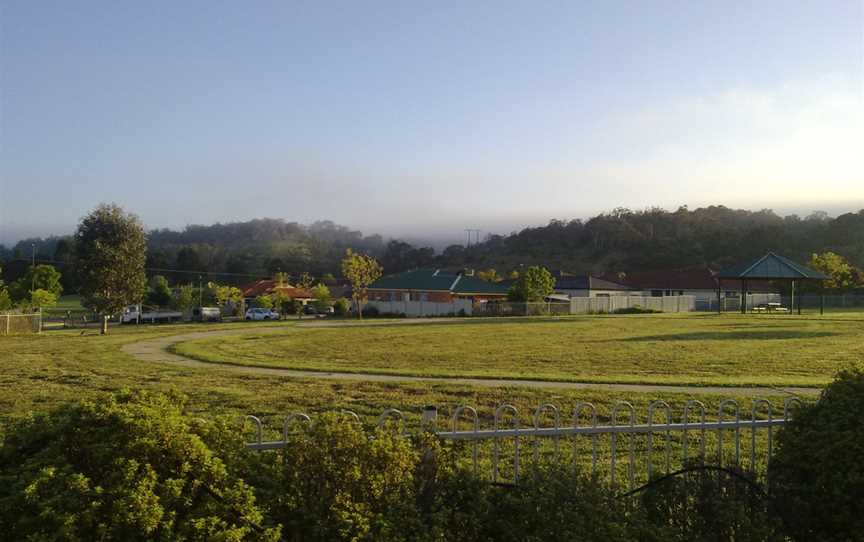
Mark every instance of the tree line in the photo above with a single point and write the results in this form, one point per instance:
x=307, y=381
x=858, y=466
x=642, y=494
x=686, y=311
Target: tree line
x=619, y=240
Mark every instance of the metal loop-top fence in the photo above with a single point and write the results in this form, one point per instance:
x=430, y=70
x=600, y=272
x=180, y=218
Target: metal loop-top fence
x=487, y=446
x=593, y=412
x=498, y=413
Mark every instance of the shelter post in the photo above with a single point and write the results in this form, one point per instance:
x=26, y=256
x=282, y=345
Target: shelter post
x=821, y=298
x=719, y=308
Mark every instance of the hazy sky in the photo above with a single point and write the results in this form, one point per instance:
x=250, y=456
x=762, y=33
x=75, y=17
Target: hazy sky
x=412, y=117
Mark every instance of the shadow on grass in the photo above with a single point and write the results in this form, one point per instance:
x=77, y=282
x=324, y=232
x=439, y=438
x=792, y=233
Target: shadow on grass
x=756, y=335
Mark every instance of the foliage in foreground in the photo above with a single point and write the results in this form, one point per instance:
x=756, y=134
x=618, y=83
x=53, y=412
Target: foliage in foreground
x=126, y=467
x=132, y=467
x=818, y=470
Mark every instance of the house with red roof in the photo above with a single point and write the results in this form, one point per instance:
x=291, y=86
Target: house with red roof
x=271, y=286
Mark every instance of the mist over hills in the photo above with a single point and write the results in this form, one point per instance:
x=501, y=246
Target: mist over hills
x=618, y=240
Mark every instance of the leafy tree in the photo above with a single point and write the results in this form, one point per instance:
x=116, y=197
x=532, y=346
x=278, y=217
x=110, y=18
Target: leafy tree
x=280, y=301
x=532, y=286
x=281, y=279
x=228, y=294
x=42, y=277
x=361, y=271
x=189, y=259
x=305, y=281
x=263, y=302
x=328, y=279
x=842, y=275
x=111, y=249
x=40, y=299
x=293, y=306
x=321, y=293
x=124, y=467
x=489, y=275
x=159, y=293
x=5, y=300
x=184, y=298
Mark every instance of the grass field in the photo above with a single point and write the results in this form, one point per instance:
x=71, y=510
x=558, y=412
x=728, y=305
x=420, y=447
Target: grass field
x=39, y=371
x=704, y=349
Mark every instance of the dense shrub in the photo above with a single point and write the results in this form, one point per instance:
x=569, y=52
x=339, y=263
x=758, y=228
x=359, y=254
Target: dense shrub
x=710, y=505
x=132, y=467
x=636, y=309
x=124, y=467
x=371, y=311
x=336, y=483
x=817, y=473
x=341, y=307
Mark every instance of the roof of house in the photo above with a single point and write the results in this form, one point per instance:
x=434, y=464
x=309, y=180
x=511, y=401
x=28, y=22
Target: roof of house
x=689, y=278
x=266, y=287
x=768, y=267
x=437, y=280
x=587, y=282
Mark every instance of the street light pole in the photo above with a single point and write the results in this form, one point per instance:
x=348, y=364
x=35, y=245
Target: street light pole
x=32, y=270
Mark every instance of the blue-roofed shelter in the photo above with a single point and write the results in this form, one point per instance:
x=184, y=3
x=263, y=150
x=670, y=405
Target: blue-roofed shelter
x=771, y=267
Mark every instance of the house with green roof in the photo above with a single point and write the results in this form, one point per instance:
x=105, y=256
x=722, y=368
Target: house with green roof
x=435, y=285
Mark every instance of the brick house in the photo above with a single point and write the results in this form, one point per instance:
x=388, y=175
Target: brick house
x=435, y=285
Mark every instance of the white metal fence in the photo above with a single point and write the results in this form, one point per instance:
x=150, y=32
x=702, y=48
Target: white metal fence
x=11, y=323
x=622, y=448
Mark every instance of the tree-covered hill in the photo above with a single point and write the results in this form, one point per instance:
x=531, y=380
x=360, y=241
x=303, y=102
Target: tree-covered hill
x=620, y=240
x=655, y=239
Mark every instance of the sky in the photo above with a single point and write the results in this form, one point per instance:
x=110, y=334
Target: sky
x=420, y=119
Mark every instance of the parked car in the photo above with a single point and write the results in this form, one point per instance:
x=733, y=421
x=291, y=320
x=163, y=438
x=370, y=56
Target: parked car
x=138, y=314
x=312, y=309
x=262, y=314
x=206, y=314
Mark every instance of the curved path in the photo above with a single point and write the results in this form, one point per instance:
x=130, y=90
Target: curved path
x=158, y=351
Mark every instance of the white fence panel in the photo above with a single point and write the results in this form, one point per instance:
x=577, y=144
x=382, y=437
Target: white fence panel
x=423, y=308
x=611, y=304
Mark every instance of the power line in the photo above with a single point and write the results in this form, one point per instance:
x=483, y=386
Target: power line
x=156, y=269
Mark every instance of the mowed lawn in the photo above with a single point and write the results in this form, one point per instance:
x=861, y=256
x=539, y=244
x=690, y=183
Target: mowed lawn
x=704, y=349
x=38, y=372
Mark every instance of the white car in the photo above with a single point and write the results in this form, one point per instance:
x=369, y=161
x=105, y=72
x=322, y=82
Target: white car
x=262, y=314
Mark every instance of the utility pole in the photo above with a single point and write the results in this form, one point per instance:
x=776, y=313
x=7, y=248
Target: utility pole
x=32, y=270
x=200, y=293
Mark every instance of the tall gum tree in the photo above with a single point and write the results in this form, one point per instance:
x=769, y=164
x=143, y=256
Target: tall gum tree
x=111, y=251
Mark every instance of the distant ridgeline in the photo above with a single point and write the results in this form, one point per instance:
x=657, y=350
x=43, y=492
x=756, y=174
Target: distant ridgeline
x=619, y=240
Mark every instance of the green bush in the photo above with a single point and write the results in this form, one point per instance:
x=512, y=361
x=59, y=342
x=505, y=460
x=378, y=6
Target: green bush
x=370, y=311
x=125, y=467
x=710, y=505
x=636, y=309
x=341, y=306
x=817, y=474
x=132, y=467
x=336, y=483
